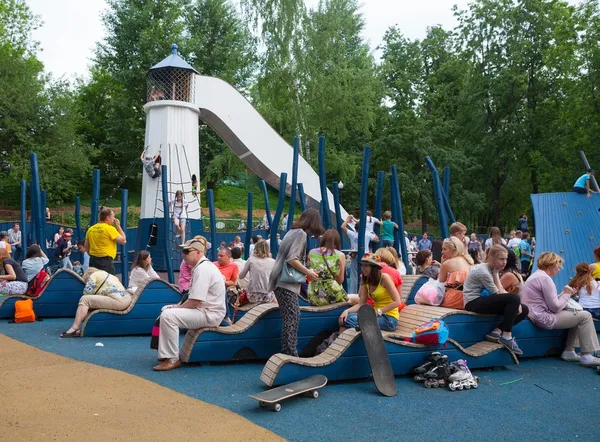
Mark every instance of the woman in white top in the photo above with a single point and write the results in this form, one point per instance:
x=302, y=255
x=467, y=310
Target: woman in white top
x=141, y=271
x=495, y=238
x=34, y=262
x=259, y=267
x=589, y=288
x=180, y=206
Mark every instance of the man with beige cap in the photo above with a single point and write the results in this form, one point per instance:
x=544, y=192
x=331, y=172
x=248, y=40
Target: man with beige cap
x=205, y=306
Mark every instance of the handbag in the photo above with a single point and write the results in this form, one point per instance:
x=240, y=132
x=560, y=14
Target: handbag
x=291, y=275
x=573, y=306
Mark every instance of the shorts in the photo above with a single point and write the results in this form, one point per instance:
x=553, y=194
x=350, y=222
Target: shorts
x=580, y=190
x=385, y=322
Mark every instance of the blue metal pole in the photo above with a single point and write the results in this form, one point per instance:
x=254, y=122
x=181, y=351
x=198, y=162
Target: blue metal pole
x=399, y=216
x=263, y=186
x=439, y=198
x=213, y=224
x=248, y=228
x=394, y=207
x=35, y=190
x=23, y=218
x=78, y=217
x=339, y=222
x=378, y=199
x=33, y=215
x=364, y=191
x=42, y=217
x=294, y=183
x=323, y=183
x=124, y=247
x=96, y=197
x=166, y=219
x=302, y=196
x=280, y=203
x=446, y=182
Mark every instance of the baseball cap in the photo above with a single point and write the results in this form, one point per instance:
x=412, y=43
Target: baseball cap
x=196, y=243
x=591, y=170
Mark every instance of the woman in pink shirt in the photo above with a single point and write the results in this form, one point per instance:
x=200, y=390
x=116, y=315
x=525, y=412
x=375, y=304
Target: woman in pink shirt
x=548, y=310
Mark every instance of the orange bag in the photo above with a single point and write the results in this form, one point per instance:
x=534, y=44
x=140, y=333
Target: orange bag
x=24, y=311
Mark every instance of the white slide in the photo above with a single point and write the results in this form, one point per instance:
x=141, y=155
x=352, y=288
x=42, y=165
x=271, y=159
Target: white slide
x=254, y=141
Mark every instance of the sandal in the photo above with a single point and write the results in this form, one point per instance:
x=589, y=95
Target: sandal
x=73, y=334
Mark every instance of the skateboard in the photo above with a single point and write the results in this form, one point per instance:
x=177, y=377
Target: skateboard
x=383, y=375
x=308, y=387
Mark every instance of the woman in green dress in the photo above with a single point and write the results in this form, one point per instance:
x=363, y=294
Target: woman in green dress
x=330, y=264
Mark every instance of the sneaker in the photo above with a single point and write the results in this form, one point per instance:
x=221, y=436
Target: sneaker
x=493, y=336
x=594, y=362
x=511, y=344
x=570, y=357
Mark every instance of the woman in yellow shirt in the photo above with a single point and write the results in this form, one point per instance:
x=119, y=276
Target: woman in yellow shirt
x=378, y=287
x=596, y=265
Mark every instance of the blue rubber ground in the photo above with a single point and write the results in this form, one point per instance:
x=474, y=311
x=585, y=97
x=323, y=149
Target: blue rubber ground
x=523, y=410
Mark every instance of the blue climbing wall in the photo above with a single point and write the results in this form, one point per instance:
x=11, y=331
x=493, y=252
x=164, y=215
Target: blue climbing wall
x=567, y=224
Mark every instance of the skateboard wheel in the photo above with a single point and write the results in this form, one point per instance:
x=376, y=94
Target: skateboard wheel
x=277, y=407
x=315, y=394
x=262, y=404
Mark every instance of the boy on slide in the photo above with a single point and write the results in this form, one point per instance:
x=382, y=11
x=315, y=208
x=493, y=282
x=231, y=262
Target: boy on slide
x=151, y=164
x=582, y=185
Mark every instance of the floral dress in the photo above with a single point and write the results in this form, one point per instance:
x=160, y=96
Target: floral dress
x=325, y=290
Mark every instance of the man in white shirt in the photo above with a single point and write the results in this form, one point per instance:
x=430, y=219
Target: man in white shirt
x=14, y=239
x=205, y=306
x=515, y=239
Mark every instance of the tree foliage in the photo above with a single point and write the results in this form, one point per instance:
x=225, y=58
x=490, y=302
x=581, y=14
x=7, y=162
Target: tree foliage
x=506, y=99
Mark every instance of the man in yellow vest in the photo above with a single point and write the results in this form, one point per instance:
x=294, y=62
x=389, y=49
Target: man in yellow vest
x=101, y=241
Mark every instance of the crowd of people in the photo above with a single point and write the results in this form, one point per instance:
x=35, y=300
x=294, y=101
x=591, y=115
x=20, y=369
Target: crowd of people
x=491, y=277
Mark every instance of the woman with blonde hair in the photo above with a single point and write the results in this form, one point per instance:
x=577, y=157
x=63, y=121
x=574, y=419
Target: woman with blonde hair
x=388, y=267
x=552, y=312
x=398, y=264
x=102, y=291
x=453, y=272
x=483, y=293
x=258, y=268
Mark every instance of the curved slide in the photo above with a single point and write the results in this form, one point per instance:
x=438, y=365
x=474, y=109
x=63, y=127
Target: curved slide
x=254, y=141
x=567, y=224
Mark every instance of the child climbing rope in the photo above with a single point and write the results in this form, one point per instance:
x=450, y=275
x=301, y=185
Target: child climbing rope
x=151, y=163
x=180, y=206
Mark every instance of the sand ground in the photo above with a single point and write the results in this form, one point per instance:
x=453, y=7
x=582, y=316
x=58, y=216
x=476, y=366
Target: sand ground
x=49, y=397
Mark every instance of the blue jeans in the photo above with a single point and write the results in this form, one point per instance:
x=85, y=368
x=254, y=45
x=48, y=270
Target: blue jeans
x=594, y=311
x=17, y=252
x=385, y=322
x=224, y=322
x=387, y=243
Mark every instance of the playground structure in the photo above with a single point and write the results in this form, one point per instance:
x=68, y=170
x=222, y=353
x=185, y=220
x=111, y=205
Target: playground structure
x=256, y=334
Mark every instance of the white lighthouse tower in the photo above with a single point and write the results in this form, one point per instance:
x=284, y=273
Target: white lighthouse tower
x=171, y=133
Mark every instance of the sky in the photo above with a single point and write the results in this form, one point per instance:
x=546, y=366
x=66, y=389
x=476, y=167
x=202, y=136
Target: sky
x=72, y=27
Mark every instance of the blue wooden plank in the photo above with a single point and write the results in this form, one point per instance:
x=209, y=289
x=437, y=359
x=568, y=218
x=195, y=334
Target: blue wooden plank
x=119, y=327
x=7, y=309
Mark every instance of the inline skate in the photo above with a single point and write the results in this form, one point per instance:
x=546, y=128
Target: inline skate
x=462, y=378
x=433, y=360
x=438, y=376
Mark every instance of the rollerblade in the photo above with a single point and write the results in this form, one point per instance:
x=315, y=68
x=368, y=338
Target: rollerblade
x=438, y=376
x=433, y=360
x=462, y=377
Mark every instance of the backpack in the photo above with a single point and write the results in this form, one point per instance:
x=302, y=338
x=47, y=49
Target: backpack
x=431, y=333
x=38, y=284
x=24, y=311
